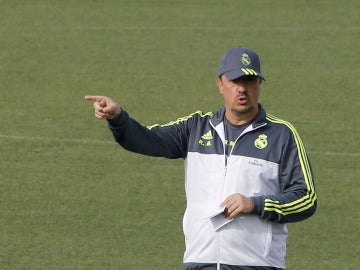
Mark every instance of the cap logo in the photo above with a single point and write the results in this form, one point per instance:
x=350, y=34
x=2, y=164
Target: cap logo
x=245, y=59
x=249, y=71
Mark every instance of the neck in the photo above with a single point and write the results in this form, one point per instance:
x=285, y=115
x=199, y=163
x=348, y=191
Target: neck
x=241, y=117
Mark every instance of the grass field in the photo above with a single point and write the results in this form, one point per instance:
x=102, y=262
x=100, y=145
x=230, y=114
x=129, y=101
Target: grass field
x=72, y=199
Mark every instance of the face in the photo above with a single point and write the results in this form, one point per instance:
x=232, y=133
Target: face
x=241, y=97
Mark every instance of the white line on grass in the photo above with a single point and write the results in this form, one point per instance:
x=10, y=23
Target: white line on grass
x=335, y=153
x=204, y=28
x=70, y=140
x=91, y=141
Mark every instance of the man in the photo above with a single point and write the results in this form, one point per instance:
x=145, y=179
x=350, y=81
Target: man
x=246, y=171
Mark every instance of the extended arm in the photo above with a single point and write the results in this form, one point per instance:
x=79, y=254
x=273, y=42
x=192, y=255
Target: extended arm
x=169, y=141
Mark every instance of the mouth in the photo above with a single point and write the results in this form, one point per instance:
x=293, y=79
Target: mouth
x=242, y=100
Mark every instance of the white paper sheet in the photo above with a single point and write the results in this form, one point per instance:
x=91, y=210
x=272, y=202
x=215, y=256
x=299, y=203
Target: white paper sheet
x=218, y=218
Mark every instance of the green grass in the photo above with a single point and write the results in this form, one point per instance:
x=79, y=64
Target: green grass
x=72, y=199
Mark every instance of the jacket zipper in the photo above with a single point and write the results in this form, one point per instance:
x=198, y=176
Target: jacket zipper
x=244, y=132
x=218, y=252
x=225, y=172
x=226, y=161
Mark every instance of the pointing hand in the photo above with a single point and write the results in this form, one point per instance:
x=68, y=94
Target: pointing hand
x=105, y=107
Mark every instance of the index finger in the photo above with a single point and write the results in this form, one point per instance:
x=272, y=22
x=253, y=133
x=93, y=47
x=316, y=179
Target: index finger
x=94, y=98
x=225, y=202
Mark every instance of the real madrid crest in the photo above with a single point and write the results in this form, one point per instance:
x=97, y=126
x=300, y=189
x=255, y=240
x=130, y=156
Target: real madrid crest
x=245, y=59
x=261, y=141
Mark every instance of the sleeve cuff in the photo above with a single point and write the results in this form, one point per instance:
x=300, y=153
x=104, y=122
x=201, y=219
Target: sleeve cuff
x=258, y=205
x=120, y=120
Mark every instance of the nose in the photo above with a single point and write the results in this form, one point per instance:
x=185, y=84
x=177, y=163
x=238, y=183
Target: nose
x=241, y=88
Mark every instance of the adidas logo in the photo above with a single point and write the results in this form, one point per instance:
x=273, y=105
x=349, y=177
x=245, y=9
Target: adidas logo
x=207, y=136
x=249, y=71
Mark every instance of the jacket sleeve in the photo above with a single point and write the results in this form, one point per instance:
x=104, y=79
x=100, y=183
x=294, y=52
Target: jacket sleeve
x=169, y=141
x=297, y=199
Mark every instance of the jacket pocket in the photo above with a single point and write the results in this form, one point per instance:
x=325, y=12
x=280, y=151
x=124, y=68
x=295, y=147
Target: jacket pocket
x=268, y=238
x=247, y=238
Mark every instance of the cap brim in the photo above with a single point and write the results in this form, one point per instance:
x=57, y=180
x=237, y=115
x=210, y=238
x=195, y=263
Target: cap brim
x=234, y=74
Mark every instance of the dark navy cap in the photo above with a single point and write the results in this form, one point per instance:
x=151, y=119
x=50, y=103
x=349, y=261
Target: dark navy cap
x=240, y=61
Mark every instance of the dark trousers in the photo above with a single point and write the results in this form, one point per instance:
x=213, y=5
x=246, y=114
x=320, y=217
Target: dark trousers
x=203, y=266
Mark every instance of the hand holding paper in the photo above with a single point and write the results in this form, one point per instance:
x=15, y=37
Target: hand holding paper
x=218, y=218
x=237, y=204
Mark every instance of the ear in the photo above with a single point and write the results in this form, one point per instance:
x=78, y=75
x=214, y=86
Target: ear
x=219, y=84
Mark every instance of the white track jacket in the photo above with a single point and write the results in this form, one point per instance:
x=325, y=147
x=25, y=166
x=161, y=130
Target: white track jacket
x=267, y=163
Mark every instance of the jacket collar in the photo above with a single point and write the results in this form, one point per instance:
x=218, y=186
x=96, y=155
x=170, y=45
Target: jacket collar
x=259, y=120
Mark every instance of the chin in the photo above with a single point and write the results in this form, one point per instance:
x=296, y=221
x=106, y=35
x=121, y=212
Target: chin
x=242, y=110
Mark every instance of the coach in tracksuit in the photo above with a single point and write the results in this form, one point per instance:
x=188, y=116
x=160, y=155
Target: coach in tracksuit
x=247, y=173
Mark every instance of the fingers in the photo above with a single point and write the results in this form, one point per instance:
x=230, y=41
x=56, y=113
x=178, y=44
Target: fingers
x=108, y=112
x=105, y=108
x=232, y=208
x=237, y=204
x=99, y=113
x=94, y=98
